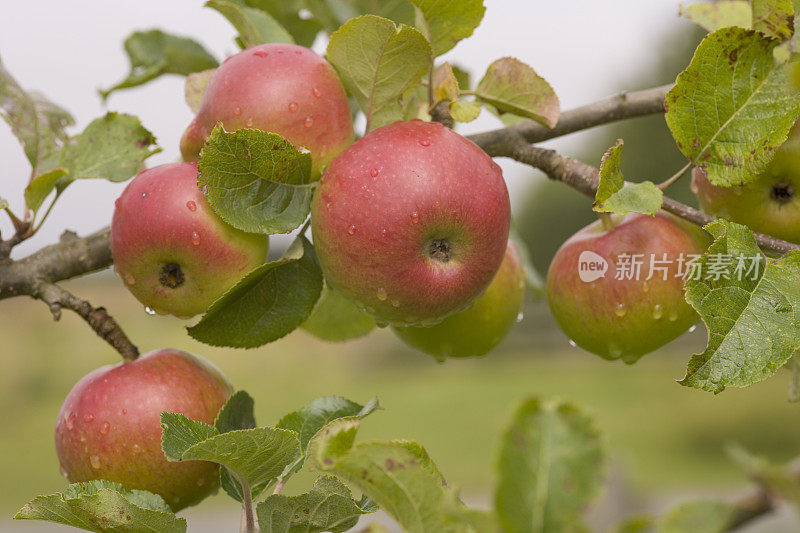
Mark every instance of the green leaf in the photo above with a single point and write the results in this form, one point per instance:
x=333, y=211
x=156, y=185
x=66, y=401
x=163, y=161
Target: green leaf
x=195, y=87
x=153, y=53
x=42, y=185
x=720, y=14
x=179, y=433
x=550, y=468
x=389, y=473
x=287, y=13
x=466, y=520
x=334, y=13
x=774, y=18
x=697, y=517
x=267, y=304
x=257, y=456
x=237, y=413
x=512, y=86
x=753, y=316
x=636, y=524
x=329, y=506
x=733, y=106
x=445, y=84
x=378, y=63
x=112, y=147
x=39, y=124
x=464, y=111
x=337, y=319
x=254, y=25
x=445, y=22
x=3, y=203
x=615, y=196
x=256, y=181
x=311, y=418
x=104, y=506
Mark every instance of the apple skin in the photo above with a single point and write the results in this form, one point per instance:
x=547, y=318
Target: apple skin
x=477, y=330
x=770, y=204
x=624, y=319
x=279, y=88
x=109, y=425
x=411, y=222
x=172, y=251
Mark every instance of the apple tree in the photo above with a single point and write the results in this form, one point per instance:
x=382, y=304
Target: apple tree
x=403, y=223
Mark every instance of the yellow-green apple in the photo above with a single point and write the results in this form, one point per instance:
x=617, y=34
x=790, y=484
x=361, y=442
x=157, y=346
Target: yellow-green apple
x=279, y=88
x=411, y=222
x=618, y=292
x=770, y=204
x=109, y=425
x=477, y=330
x=172, y=251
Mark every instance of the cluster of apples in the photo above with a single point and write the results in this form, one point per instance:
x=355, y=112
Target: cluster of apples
x=410, y=223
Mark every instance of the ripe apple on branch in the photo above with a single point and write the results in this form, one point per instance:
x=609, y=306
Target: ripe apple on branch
x=409, y=227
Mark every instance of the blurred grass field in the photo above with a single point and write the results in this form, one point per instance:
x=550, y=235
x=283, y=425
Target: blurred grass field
x=663, y=439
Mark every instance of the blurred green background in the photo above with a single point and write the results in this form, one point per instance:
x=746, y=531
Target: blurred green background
x=664, y=441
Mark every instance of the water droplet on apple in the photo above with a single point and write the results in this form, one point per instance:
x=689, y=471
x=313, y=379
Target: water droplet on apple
x=317, y=93
x=63, y=471
x=88, y=418
x=614, y=351
x=658, y=311
x=520, y=317
x=69, y=421
x=573, y=343
x=129, y=279
x=351, y=230
x=620, y=310
x=424, y=142
x=136, y=448
x=260, y=53
x=673, y=316
x=149, y=311
x=249, y=122
x=645, y=287
x=457, y=214
x=237, y=111
x=195, y=238
x=374, y=172
x=384, y=233
x=414, y=217
x=95, y=462
x=293, y=107
x=309, y=122
x=144, y=195
x=691, y=329
x=395, y=303
x=191, y=206
x=381, y=294
x=123, y=412
x=105, y=428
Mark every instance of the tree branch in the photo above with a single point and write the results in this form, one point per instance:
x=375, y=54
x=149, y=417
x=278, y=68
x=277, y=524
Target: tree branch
x=758, y=501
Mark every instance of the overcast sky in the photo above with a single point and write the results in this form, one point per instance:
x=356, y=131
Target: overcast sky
x=68, y=49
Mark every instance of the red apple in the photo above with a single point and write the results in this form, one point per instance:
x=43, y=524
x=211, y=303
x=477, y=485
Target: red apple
x=172, y=251
x=109, y=426
x=477, y=330
x=279, y=88
x=411, y=222
x=628, y=317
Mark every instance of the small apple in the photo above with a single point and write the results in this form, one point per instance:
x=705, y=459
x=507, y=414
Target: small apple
x=109, y=426
x=770, y=204
x=279, y=88
x=172, y=251
x=608, y=308
x=411, y=222
x=477, y=330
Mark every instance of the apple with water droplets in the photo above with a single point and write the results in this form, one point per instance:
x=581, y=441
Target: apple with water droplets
x=616, y=288
x=477, y=330
x=279, y=88
x=770, y=204
x=411, y=222
x=172, y=251
x=109, y=426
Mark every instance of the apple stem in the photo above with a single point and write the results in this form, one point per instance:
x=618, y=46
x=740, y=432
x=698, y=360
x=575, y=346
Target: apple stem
x=606, y=220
